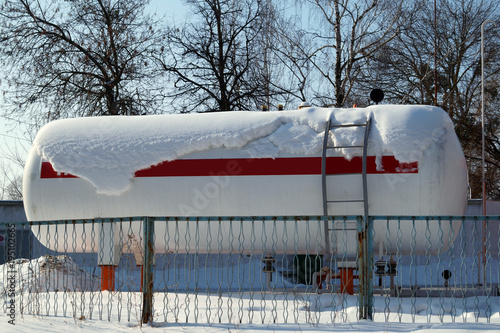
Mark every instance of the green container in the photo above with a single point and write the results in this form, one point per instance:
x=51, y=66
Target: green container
x=305, y=266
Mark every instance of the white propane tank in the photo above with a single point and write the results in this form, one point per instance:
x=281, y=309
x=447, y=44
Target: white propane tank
x=249, y=164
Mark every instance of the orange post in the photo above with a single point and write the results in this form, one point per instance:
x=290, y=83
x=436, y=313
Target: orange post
x=107, y=277
x=346, y=280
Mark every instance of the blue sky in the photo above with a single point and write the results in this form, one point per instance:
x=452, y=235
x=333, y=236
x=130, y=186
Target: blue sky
x=175, y=8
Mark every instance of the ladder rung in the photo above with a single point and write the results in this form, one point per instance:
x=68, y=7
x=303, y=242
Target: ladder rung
x=339, y=147
x=338, y=201
x=347, y=125
x=343, y=174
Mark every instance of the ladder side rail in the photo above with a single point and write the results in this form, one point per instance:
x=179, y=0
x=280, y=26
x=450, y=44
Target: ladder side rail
x=364, y=168
x=323, y=167
x=326, y=231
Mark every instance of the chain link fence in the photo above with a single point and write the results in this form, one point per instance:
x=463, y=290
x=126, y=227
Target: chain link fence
x=254, y=269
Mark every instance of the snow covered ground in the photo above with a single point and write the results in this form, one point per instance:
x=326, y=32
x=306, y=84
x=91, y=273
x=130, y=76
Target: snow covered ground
x=69, y=309
x=401, y=322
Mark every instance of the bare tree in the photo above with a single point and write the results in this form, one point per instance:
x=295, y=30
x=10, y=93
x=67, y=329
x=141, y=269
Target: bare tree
x=268, y=69
x=441, y=57
x=283, y=64
x=78, y=58
x=14, y=188
x=10, y=183
x=349, y=34
x=286, y=50
x=212, y=59
x=294, y=48
x=15, y=143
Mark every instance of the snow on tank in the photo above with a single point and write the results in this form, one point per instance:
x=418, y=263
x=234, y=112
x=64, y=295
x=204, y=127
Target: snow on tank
x=246, y=164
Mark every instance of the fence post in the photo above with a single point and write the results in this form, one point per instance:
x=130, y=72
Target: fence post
x=365, y=260
x=369, y=267
x=361, y=268
x=147, y=287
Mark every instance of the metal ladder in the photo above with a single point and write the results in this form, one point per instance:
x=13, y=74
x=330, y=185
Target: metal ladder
x=364, y=200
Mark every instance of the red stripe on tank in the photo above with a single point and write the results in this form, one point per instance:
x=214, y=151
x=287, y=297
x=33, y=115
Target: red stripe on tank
x=260, y=167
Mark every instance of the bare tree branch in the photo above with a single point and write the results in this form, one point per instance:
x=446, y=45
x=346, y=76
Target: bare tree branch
x=79, y=58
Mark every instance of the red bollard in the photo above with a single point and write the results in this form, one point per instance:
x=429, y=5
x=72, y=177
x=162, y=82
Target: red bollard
x=107, y=277
x=346, y=280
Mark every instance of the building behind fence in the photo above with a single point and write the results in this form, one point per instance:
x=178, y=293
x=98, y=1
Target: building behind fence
x=13, y=211
x=253, y=269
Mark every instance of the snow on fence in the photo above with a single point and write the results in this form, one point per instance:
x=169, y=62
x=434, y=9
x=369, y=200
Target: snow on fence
x=256, y=269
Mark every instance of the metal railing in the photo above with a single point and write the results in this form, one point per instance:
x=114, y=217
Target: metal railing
x=255, y=269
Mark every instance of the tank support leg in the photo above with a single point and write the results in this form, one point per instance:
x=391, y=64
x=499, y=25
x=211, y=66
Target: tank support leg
x=347, y=280
x=107, y=277
x=269, y=270
x=108, y=254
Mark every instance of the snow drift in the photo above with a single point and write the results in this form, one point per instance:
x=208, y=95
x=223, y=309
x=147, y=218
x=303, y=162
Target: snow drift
x=107, y=151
